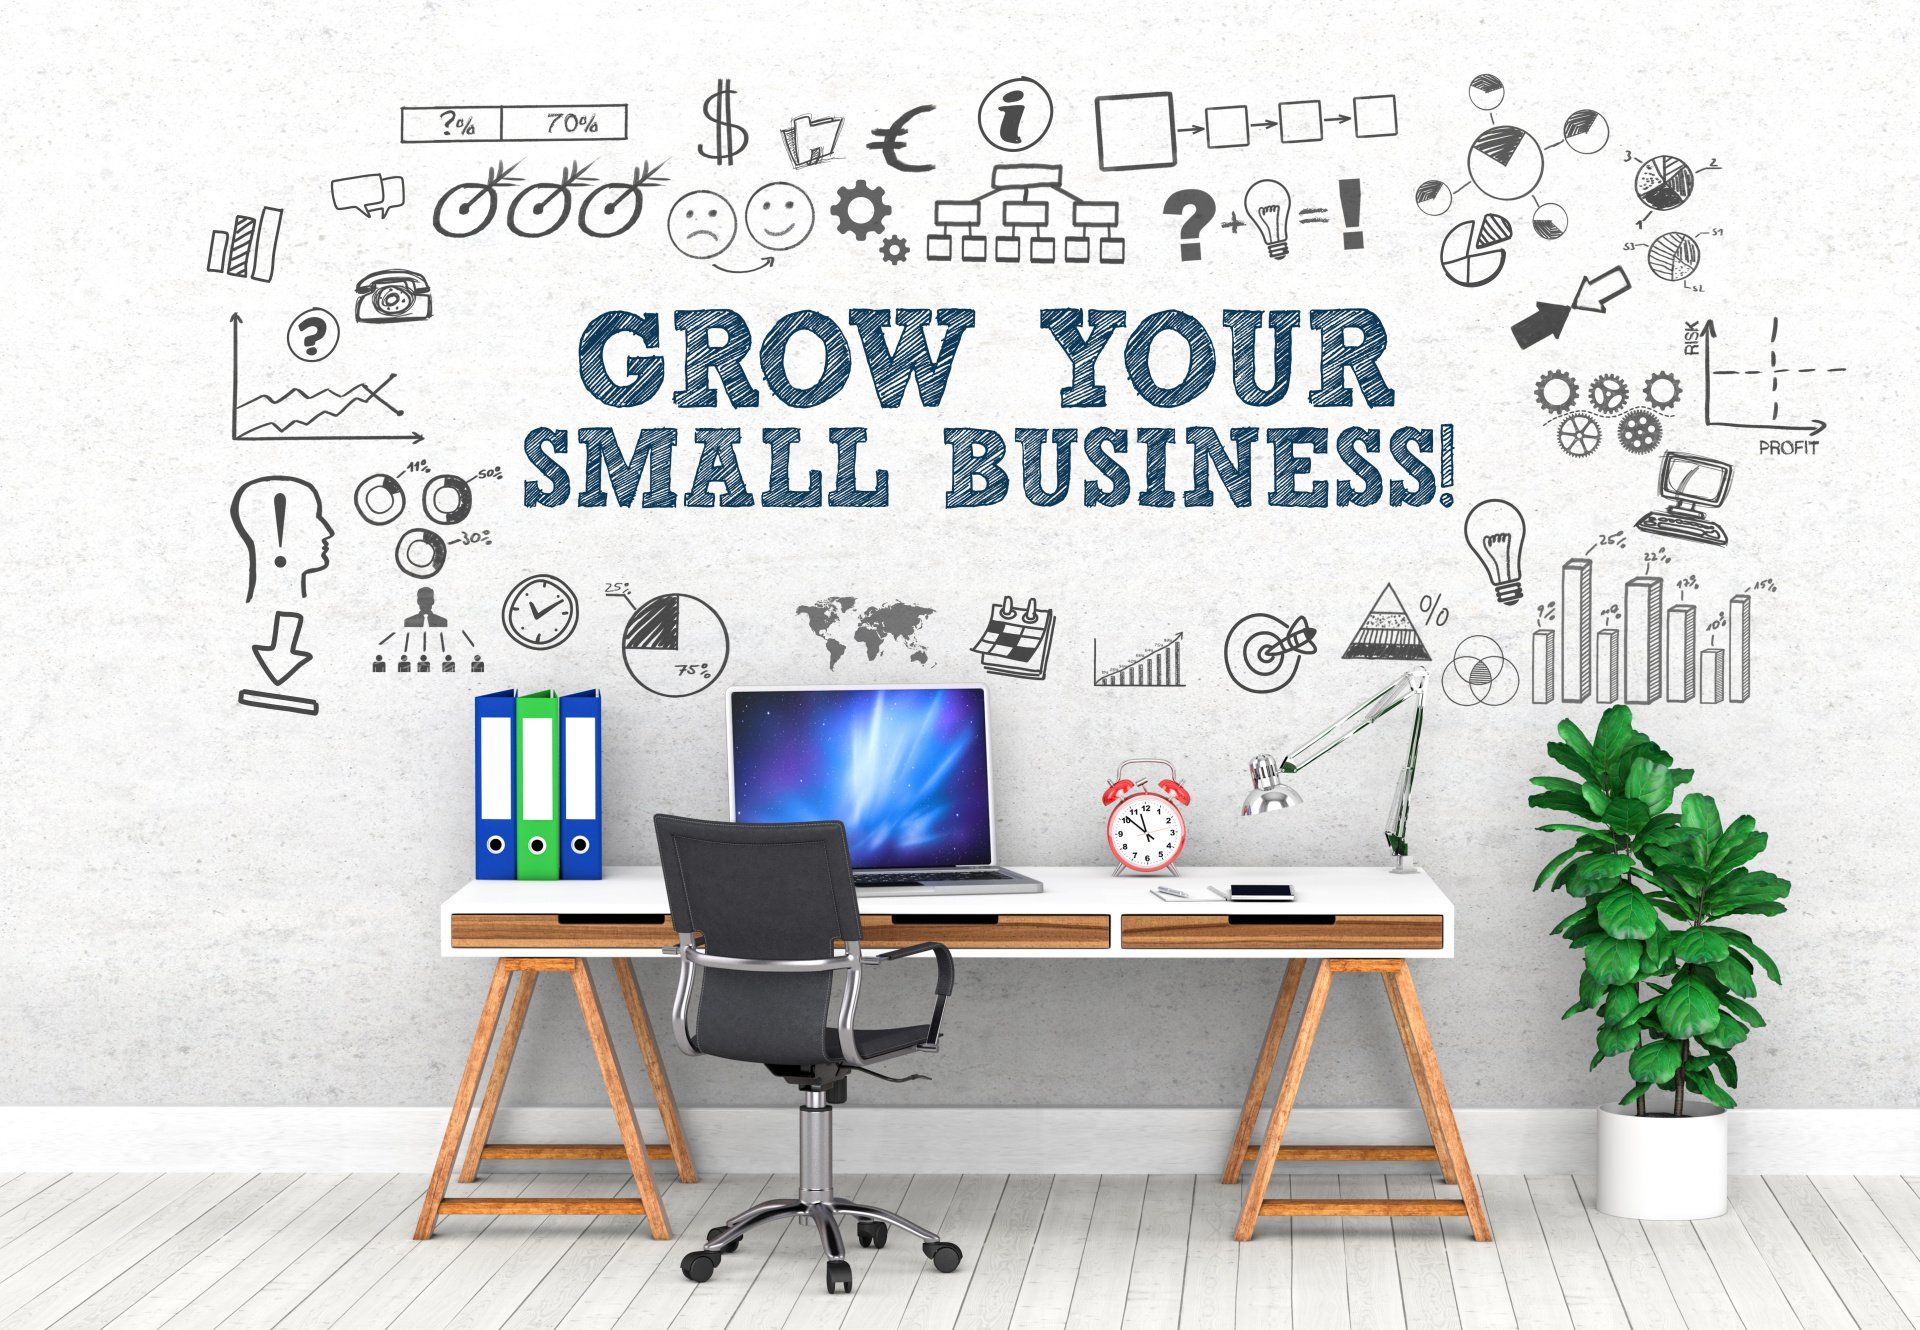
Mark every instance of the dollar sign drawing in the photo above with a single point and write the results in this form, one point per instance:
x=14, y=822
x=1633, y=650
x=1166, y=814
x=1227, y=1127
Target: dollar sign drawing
x=729, y=140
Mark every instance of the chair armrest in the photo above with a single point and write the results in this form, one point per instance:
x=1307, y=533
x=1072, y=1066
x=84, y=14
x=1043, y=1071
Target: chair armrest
x=942, y=983
x=692, y=959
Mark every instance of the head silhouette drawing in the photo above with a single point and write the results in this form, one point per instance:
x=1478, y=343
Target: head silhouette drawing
x=285, y=532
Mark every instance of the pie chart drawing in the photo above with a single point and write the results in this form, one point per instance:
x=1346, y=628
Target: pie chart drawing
x=1674, y=256
x=1467, y=253
x=674, y=645
x=1663, y=183
x=1505, y=162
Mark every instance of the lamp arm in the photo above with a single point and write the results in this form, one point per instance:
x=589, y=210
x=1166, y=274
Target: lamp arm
x=1412, y=684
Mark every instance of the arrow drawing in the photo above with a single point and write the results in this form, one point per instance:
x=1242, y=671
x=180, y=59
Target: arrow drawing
x=1594, y=295
x=283, y=416
x=1773, y=371
x=281, y=659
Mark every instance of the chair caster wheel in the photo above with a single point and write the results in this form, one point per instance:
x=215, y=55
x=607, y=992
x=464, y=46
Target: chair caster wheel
x=839, y=1277
x=873, y=1233
x=731, y=1247
x=699, y=1266
x=944, y=1255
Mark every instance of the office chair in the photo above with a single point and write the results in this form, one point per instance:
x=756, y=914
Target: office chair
x=758, y=909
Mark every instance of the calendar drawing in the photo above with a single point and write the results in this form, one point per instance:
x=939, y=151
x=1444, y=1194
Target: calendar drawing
x=1016, y=641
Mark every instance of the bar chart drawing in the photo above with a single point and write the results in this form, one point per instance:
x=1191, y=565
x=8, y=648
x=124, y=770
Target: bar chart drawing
x=1156, y=667
x=1654, y=656
x=248, y=249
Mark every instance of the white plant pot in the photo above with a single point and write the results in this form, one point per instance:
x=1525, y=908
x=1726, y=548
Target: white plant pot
x=1659, y=1167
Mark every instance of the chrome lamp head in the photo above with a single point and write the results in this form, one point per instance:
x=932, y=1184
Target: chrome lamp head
x=1269, y=794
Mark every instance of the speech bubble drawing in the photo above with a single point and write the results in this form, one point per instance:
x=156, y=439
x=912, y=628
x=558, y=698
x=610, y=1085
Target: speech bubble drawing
x=369, y=195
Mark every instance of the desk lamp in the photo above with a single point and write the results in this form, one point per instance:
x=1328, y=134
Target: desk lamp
x=1269, y=794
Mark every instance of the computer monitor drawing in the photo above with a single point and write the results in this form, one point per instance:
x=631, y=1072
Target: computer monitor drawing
x=906, y=769
x=1692, y=483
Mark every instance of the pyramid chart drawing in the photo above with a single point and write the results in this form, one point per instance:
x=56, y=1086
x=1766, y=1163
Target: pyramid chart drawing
x=1387, y=633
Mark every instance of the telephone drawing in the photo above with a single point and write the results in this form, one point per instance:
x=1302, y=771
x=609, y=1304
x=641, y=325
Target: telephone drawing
x=393, y=295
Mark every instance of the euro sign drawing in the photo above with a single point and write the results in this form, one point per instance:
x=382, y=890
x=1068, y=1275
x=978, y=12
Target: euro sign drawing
x=729, y=140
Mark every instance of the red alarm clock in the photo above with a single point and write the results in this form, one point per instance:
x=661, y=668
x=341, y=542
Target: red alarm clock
x=1145, y=828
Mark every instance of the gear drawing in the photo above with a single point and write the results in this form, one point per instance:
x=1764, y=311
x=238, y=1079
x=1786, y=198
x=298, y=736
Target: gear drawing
x=869, y=200
x=1555, y=391
x=1608, y=393
x=1639, y=431
x=893, y=249
x=1578, y=434
x=1661, y=390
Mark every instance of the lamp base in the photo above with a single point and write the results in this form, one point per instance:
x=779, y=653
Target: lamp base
x=1401, y=866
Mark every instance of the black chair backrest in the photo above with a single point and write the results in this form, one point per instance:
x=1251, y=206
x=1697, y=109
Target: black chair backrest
x=763, y=891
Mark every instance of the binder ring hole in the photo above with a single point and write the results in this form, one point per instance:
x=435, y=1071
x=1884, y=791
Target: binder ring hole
x=495, y=844
x=537, y=845
x=579, y=844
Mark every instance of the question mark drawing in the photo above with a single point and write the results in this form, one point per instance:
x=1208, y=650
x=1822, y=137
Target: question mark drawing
x=446, y=125
x=1198, y=205
x=313, y=335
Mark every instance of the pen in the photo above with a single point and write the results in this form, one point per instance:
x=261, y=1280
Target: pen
x=1170, y=893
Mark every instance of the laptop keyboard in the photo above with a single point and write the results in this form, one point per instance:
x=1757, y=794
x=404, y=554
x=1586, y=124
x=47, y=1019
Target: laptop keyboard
x=935, y=875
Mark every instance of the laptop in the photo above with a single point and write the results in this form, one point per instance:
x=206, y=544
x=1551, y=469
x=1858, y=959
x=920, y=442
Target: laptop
x=905, y=769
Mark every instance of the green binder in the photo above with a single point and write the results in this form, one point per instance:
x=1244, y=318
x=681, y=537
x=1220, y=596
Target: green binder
x=536, y=856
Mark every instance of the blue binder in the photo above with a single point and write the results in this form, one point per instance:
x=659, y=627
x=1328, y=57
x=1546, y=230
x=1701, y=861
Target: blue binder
x=580, y=784
x=493, y=776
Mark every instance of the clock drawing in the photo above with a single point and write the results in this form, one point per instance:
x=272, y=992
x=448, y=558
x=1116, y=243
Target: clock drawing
x=541, y=612
x=1145, y=828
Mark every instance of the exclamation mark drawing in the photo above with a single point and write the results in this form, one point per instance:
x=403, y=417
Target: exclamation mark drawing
x=1353, y=237
x=280, y=529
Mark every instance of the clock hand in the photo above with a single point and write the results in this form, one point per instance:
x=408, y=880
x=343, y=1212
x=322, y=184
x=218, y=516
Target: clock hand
x=539, y=613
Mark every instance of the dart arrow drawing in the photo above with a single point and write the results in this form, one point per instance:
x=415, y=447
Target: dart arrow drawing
x=282, y=660
x=1547, y=319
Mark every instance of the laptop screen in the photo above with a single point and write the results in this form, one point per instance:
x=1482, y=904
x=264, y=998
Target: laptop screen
x=904, y=768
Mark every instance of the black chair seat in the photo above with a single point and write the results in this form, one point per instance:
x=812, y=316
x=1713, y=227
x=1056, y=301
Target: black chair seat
x=878, y=1043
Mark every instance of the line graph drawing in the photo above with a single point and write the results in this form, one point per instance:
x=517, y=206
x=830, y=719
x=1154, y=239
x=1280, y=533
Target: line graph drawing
x=289, y=415
x=1773, y=372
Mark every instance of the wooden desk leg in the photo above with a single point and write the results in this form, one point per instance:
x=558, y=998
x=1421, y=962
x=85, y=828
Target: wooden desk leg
x=1420, y=1086
x=1447, y=1138
x=656, y=1069
x=463, y=1102
x=1262, y=1071
x=502, y=1063
x=617, y=1096
x=1283, y=1106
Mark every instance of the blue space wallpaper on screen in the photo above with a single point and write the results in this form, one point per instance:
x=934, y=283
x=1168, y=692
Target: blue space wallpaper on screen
x=905, y=769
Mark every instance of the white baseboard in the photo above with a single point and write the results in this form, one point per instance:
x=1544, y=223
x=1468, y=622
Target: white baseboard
x=901, y=1140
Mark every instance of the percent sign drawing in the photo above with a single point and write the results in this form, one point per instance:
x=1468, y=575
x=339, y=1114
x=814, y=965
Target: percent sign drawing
x=1437, y=613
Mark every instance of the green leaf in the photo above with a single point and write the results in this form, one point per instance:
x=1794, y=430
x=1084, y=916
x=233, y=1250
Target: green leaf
x=1735, y=977
x=1659, y=954
x=1741, y=1009
x=1553, y=866
x=1688, y=1008
x=1723, y=1062
x=1729, y=1033
x=1627, y=816
x=1573, y=737
x=1572, y=759
x=1613, y=960
x=1649, y=783
x=1560, y=803
x=1596, y=800
x=1698, y=812
x=1745, y=892
x=1747, y=947
x=1637, y=1092
x=1580, y=916
x=1619, y=1007
x=1707, y=1088
x=1593, y=989
x=1654, y=1063
x=1700, y=946
x=1614, y=734
x=1625, y=913
x=1613, y=1040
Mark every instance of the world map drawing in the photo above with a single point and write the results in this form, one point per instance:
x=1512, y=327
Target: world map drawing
x=892, y=627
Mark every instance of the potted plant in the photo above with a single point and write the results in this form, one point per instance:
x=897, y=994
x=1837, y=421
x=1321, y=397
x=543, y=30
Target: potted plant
x=1668, y=979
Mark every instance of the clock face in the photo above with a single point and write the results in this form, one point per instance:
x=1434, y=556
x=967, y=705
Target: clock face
x=540, y=612
x=1146, y=832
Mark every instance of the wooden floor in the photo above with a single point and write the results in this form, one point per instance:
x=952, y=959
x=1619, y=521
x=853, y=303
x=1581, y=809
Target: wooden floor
x=192, y=1250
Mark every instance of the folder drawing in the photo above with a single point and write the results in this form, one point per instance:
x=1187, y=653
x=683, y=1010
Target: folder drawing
x=493, y=775
x=537, y=806
x=580, y=784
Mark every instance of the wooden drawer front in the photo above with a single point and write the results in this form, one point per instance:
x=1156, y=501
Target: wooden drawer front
x=1206, y=932
x=984, y=930
x=535, y=931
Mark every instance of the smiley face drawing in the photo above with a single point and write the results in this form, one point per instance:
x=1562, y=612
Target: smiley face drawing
x=701, y=224
x=779, y=215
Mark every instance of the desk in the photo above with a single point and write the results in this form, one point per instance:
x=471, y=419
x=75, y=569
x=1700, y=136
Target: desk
x=1349, y=920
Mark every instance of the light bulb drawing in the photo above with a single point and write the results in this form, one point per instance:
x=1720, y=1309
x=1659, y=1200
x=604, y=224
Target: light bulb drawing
x=1268, y=204
x=1495, y=532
